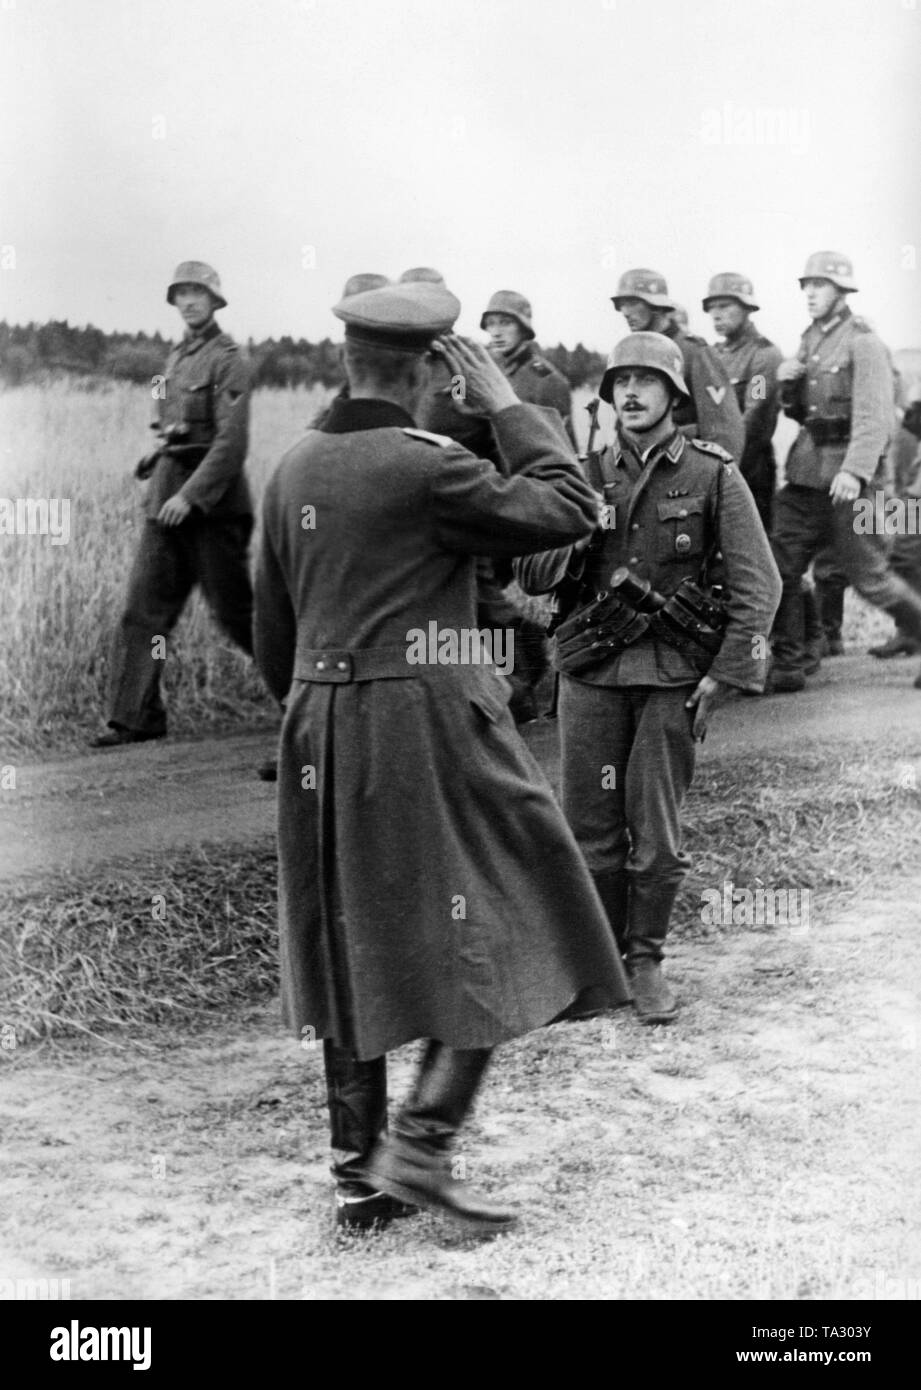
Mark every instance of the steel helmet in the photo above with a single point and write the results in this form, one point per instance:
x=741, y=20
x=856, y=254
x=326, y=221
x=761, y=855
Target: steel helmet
x=830, y=265
x=365, y=280
x=650, y=350
x=511, y=303
x=729, y=285
x=196, y=273
x=647, y=285
x=422, y=275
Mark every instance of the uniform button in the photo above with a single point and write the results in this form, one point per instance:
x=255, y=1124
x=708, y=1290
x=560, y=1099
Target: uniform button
x=342, y=665
x=634, y=560
x=321, y=665
x=683, y=513
x=815, y=357
x=813, y=408
x=635, y=526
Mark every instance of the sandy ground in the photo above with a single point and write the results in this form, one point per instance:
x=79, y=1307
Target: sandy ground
x=767, y=1145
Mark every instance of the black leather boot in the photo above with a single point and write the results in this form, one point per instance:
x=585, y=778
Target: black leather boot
x=356, y=1095
x=411, y=1163
x=651, y=903
x=907, y=616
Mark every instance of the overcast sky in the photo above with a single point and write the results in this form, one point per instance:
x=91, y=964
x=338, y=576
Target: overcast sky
x=538, y=145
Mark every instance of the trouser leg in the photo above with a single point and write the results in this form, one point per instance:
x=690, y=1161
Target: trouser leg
x=161, y=579
x=659, y=773
x=597, y=725
x=813, y=631
x=222, y=569
x=801, y=524
x=830, y=585
x=863, y=559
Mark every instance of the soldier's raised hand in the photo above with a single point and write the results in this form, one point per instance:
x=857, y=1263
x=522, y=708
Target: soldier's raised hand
x=478, y=386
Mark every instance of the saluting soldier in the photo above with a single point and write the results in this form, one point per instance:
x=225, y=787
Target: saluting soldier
x=711, y=410
x=839, y=388
x=198, y=511
x=630, y=712
x=429, y=885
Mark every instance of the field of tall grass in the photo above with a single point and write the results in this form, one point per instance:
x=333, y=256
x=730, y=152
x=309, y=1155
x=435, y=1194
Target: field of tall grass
x=59, y=602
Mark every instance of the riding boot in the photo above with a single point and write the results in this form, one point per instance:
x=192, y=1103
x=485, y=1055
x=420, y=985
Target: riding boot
x=650, y=907
x=411, y=1163
x=356, y=1096
x=899, y=644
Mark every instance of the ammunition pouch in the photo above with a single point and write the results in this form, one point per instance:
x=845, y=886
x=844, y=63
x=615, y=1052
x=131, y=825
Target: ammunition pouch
x=595, y=632
x=691, y=621
x=828, y=430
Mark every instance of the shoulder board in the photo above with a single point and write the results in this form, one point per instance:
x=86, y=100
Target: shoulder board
x=224, y=340
x=444, y=440
x=761, y=341
x=693, y=338
x=541, y=367
x=861, y=324
x=708, y=447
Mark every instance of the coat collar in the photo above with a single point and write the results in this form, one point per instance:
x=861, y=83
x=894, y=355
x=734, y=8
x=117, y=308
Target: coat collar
x=194, y=342
x=347, y=416
x=671, y=448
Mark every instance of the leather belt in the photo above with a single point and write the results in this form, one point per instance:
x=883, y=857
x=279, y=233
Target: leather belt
x=340, y=665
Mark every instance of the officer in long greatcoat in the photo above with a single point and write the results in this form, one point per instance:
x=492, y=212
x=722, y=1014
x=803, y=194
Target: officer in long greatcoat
x=198, y=514
x=429, y=885
x=628, y=723
x=839, y=389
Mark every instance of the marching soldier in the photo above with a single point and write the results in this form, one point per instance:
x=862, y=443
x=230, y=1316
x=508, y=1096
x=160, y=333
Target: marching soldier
x=711, y=410
x=751, y=363
x=633, y=696
x=905, y=558
x=508, y=320
x=198, y=511
x=839, y=389
x=429, y=885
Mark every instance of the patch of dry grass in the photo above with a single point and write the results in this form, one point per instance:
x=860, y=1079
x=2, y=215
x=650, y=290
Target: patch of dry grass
x=60, y=602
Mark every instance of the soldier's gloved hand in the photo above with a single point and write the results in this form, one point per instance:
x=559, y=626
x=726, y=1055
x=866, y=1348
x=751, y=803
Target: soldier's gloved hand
x=145, y=466
x=478, y=386
x=708, y=695
x=791, y=369
x=174, y=511
x=845, y=487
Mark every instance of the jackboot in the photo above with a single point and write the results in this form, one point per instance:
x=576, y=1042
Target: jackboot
x=813, y=632
x=830, y=597
x=411, y=1163
x=906, y=614
x=356, y=1096
x=650, y=909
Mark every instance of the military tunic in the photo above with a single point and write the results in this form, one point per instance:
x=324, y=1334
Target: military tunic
x=844, y=403
x=666, y=516
x=713, y=412
x=201, y=420
x=429, y=884
x=751, y=363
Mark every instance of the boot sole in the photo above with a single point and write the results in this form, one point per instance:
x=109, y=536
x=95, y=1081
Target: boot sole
x=661, y=1017
x=413, y=1197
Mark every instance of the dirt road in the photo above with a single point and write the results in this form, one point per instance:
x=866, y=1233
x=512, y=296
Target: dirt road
x=110, y=806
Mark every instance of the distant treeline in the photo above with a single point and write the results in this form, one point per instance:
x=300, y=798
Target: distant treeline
x=31, y=352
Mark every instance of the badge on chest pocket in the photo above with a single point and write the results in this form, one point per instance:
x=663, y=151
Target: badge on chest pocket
x=680, y=533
